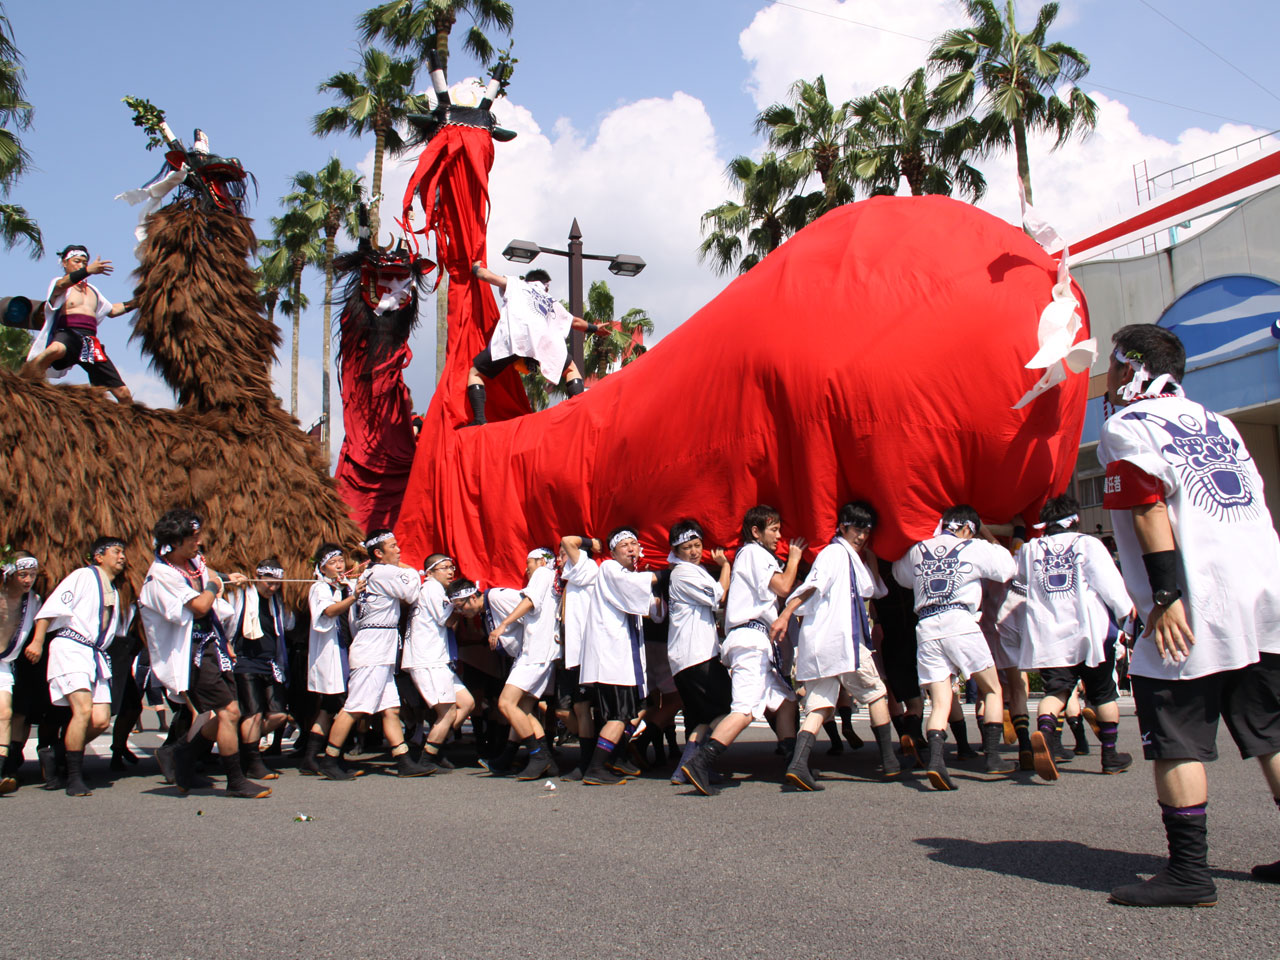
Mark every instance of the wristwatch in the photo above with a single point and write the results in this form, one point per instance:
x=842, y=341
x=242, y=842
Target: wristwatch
x=1165, y=598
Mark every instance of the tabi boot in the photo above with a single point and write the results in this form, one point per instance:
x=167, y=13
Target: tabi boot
x=1081, y=748
x=251, y=763
x=330, y=767
x=1042, y=750
x=309, y=765
x=937, y=766
x=238, y=785
x=889, y=765
x=406, y=766
x=1185, y=881
x=539, y=763
x=996, y=765
x=832, y=730
x=698, y=769
x=75, y=778
x=798, y=773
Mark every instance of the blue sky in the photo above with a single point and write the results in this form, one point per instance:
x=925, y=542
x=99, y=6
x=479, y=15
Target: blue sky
x=672, y=88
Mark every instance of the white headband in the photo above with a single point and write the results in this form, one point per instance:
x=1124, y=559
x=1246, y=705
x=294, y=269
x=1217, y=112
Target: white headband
x=622, y=536
x=1063, y=522
x=954, y=526
x=270, y=572
x=22, y=563
x=437, y=563
x=75, y=252
x=327, y=557
x=463, y=593
x=380, y=538
x=694, y=534
x=1138, y=386
x=540, y=553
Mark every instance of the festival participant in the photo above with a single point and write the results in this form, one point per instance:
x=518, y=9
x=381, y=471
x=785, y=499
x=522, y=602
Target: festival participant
x=329, y=600
x=896, y=623
x=1201, y=560
x=534, y=665
x=190, y=653
x=495, y=603
x=579, y=580
x=430, y=651
x=18, y=605
x=946, y=573
x=72, y=311
x=80, y=619
x=833, y=650
x=1004, y=636
x=259, y=625
x=1075, y=596
x=532, y=326
x=613, y=664
x=759, y=689
x=371, y=687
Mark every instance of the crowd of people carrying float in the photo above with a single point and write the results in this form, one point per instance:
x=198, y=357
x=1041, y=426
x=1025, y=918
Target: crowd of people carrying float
x=612, y=651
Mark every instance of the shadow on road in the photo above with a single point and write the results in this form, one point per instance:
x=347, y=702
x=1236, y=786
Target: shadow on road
x=1060, y=862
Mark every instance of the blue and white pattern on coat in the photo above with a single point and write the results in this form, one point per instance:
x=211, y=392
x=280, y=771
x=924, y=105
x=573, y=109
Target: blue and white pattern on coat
x=1056, y=568
x=941, y=572
x=1209, y=466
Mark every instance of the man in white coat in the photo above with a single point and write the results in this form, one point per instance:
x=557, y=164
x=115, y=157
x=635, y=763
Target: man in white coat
x=18, y=605
x=329, y=601
x=834, y=648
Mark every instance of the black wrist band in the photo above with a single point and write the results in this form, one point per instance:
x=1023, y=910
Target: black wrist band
x=77, y=275
x=593, y=327
x=1020, y=533
x=586, y=543
x=1162, y=570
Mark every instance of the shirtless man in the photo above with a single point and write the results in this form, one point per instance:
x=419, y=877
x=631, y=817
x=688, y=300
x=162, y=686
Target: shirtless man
x=72, y=311
x=18, y=605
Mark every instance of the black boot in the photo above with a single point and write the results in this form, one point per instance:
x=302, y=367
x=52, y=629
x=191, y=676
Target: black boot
x=619, y=762
x=996, y=766
x=406, y=766
x=1022, y=733
x=435, y=754
x=252, y=765
x=598, y=772
x=698, y=770
x=75, y=779
x=832, y=730
x=539, y=760
x=13, y=762
x=889, y=765
x=1060, y=753
x=54, y=760
x=798, y=773
x=846, y=726
x=475, y=396
x=1113, y=761
x=1042, y=749
x=1082, y=742
x=937, y=768
x=1186, y=881
x=500, y=766
x=960, y=731
x=8, y=782
x=309, y=766
x=330, y=766
x=238, y=785
x=586, y=748
x=122, y=756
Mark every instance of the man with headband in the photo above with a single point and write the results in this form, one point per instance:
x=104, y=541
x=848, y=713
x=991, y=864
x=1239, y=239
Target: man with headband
x=329, y=600
x=946, y=573
x=833, y=646
x=533, y=326
x=430, y=652
x=579, y=577
x=1076, y=601
x=371, y=687
x=73, y=309
x=258, y=624
x=1201, y=560
x=18, y=605
x=80, y=618
x=535, y=661
x=613, y=663
x=191, y=653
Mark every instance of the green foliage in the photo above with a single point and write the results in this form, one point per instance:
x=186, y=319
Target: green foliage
x=740, y=232
x=149, y=117
x=425, y=26
x=14, y=344
x=503, y=67
x=813, y=135
x=15, y=114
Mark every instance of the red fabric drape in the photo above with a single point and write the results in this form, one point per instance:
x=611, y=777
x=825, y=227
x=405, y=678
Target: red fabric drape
x=876, y=354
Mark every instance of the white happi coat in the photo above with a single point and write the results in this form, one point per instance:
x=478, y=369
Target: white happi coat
x=327, y=666
x=946, y=574
x=834, y=636
x=498, y=604
x=248, y=599
x=51, y=305
x=166, y=624
x=1227, y=547
x=376, y=614
x=613, y=648
x=579, y=582
x=532, y=324
x=84, y=612
x=1072, y=583
x=427, y=644
x=539, y=643
x=691, y=634
x=14, y=644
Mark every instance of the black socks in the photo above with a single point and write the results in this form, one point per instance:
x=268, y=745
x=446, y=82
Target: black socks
x=475, y=396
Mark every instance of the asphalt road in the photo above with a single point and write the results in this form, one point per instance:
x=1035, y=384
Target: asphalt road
x=467, y=865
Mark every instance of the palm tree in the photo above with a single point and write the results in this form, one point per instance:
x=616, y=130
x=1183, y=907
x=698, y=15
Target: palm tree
x=903, y=136
x=274, y=275
x=328, y=198
x=299, y=241
x=15, y=114
x=617, y=347
x=377, y=99
x=814, y=134
x=425, y=26
x=1018, y=74
x=739, y=233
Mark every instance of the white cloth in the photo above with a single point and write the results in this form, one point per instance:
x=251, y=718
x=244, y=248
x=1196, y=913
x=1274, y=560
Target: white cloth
x=372, y=689
x=960, y=655
x=863, y=686
x=51, y=304
x=152, y=194
x=83, y=613
x=376, y=614
x=427, y=644
x=579, y=581
x=16, y=642
x=946, y=574
x=539, y=645
x=166, y=624
x=831, y=638
x=532, y=324
x=438, y=684
x=327, y=666
x=1072, y=583
x=693, y=597
x=750, y=596
x=1006, y=648
x=500, y=602
x=533, y=677
x=77, y=670
x=613, y=647
x=1229, y=551
x=757, y=687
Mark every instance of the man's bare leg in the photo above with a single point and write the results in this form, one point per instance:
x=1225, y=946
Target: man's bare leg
x=38, y=366
x=88, y=720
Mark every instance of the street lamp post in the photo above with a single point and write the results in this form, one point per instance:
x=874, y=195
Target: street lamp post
x=621, y=265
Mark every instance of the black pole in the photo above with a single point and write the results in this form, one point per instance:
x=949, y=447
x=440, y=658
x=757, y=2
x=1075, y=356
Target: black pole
x=575, y=291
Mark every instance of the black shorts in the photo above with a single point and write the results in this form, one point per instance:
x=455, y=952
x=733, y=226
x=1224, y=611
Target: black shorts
x=1099, y=682
x=488, y=367
x=30, y=687
x=1179, y=718
x=259, y=693
x=616, y=703
x=705, y=691
x=102, y=373
x=330, y=703
x=898, y=654
x=569, y=688
x=212, y=689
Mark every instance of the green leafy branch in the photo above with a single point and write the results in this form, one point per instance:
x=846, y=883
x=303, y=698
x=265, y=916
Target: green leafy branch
x=149, y=117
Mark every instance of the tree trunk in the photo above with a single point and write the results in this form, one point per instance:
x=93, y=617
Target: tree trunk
x=444, y=26
x=297, y=329
x=375, y=203
x=442, y=322
x=1024, y=162
x=329, y=246
x=912, y=167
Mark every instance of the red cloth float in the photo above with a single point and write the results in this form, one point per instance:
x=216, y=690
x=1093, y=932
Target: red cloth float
x=876, y=354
